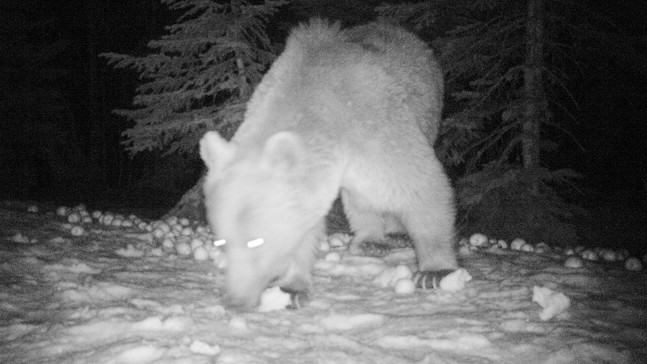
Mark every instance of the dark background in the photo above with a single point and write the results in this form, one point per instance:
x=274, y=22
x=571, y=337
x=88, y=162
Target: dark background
x=60, y=143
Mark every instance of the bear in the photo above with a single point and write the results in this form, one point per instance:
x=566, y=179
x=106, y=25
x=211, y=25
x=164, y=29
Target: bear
x=351, y=112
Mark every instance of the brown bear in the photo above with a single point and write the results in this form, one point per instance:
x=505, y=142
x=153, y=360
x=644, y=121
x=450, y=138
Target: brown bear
x=352, y=111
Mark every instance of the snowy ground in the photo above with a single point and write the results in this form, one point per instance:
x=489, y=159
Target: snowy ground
x=85, y=297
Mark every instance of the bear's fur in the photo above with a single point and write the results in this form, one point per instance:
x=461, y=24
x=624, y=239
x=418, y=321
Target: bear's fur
x=351, y=111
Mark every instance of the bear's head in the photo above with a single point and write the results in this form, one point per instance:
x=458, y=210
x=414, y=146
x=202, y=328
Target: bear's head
x=258, y=201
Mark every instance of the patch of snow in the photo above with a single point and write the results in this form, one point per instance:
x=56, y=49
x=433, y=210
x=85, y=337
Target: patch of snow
x=274, y=299
x=391, y=275
x=200, y=253
x=73, y=300
x=455, y=281
x=516, y=244
x=339, y=240
x=200, y=347
x=130, y=251
x=183, y=248
x=573, y=262
x=404, y=286
x=351, y=266
x=238, y=323
x=478, y=240
x=22, y=239
x=633, y=264
x=141, y=354
x=340, y=322
x=456, y=343
x=333, y=257
x=553, y=303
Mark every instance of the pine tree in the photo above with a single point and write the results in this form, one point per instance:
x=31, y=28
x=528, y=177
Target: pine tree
x=198, y=77
x=504, y=67
x=200, y=74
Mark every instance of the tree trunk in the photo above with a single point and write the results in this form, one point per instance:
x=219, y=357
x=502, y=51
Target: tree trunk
x=191, y=205
x=96, y=158
x=534, y=94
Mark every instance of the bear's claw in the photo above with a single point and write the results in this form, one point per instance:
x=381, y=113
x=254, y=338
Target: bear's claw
x=430, y=279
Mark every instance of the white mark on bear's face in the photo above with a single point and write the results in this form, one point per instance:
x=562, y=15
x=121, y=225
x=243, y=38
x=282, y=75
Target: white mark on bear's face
x=255, y=243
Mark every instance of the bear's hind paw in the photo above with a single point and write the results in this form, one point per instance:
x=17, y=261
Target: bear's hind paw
x=430, y=279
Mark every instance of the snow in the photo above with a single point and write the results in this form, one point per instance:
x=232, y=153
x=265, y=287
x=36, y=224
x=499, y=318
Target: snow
x=129, y=251
x=404, y=286
x=274, y=299
x=200, y=253
x=391, y=275
x=517, y=244
x=333, y=257
x=339, y=322
x=119, y=294
x=553, y=303
x=478, y=239
x=573, y=262
x=455, y=281
x=203, y=348
x=633, y=264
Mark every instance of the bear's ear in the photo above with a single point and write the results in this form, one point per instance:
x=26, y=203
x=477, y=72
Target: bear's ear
x=282, y=152
x=215, y=151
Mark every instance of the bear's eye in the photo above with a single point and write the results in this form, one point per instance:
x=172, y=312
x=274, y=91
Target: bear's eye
x=255, y=243
x=219, y=242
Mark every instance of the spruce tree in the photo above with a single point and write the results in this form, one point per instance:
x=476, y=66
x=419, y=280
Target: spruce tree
x=197, y=77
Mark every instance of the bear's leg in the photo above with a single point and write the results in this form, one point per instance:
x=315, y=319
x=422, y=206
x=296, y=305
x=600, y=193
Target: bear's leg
x=429, y=221
x=392, y=225
x=297, y=281
x=367, y=224
x=434, y=244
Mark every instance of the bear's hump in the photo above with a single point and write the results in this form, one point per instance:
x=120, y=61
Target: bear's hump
x=378, y=37
x=315, y=33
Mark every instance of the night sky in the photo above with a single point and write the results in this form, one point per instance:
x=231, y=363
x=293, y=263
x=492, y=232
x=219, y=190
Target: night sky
x=60, y=142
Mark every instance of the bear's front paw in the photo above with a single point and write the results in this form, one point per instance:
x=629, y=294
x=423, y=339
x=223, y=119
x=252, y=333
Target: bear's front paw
x=297, y=299
x=430, y=279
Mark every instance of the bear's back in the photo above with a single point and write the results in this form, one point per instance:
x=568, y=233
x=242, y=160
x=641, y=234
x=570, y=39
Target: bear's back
x=348, y=89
